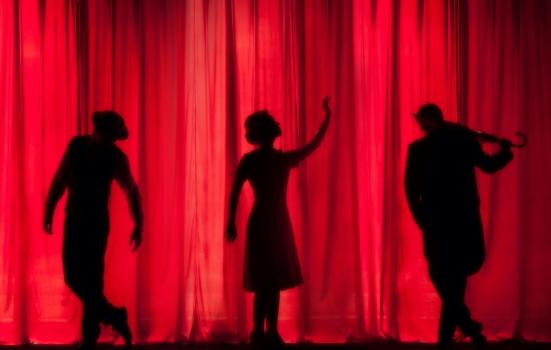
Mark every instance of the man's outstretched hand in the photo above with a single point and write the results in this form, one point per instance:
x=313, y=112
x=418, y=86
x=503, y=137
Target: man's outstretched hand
x=136, y=238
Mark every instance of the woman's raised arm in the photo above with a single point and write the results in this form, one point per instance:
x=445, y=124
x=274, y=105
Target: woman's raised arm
x=301, y=153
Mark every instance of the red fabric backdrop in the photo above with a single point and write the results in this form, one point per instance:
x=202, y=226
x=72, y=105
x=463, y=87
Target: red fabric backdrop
x=185, y=74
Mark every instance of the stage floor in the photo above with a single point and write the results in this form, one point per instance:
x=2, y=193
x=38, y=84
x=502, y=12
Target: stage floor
x=366, y=346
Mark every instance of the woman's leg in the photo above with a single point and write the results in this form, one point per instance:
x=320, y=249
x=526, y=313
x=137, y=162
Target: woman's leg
x=259, y=311
x=259, y=315
x=272, y=311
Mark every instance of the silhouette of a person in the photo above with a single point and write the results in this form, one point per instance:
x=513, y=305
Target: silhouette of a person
x=442, y=195
x=271, y=260
x=87, y=169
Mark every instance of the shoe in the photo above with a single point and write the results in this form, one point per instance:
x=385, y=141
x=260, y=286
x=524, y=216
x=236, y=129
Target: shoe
x=257, y=337
x=472, y=328
x=120, y=325
x=444, y=344
x=445, y=341
x=476, y=327
x=479, y=341
x=474, y=332
x=274, y=340
x=87, y=346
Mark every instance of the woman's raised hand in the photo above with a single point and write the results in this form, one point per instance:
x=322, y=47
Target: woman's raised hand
x=325, y=104
x=230, y=233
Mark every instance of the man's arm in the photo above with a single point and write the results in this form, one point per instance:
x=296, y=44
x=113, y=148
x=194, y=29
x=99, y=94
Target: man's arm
x=126, y=182
x=412, y=185
x=56, y=190
x=492, y=163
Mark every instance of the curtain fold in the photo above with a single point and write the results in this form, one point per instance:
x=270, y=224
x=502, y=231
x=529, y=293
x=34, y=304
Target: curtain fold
x=185, y=75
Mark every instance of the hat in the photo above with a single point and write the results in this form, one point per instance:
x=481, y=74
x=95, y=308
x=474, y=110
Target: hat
x=111, y=124
x=430, y=111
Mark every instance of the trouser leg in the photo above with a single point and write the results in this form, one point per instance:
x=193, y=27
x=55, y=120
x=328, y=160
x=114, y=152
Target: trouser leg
x=90, y=324
x=453, y=312
x=96, y=310
x=462, y=312
x=446, y=326
x=84, y=246
x=85, y=279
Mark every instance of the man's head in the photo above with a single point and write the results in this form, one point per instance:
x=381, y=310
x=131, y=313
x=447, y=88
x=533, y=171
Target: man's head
x=109, y=125
x=429, y=116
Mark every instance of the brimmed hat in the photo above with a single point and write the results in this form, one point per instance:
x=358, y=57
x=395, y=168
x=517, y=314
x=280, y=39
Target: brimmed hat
x=430, y=111
x=111, y=124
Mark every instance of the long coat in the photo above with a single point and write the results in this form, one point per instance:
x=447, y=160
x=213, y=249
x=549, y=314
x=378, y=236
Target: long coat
x=442, y=194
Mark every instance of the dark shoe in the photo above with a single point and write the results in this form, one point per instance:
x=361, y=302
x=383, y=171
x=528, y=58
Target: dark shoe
x=120, y=325
x=274, y=340
x=445, y=339
x=472, y=328
x=474, y=331
x=479, y=341
x=476, y=327
x=87, y=346
x=257, y=337
x=444, y=344
x=446, y=332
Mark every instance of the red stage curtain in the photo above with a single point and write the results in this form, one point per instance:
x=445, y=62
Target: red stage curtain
x=185, y=74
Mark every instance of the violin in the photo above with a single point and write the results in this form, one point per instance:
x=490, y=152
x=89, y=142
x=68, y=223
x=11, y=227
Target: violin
x=485, y=137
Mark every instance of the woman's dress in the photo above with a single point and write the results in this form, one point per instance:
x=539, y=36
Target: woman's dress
x=271, y=259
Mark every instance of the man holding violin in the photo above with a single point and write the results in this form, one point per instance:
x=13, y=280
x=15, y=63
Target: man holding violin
x=442, y=195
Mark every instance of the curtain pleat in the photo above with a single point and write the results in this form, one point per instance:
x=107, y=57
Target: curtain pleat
x=186, y=74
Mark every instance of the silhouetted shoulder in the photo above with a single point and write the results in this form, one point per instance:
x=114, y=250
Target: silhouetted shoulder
x=120, y=162
x=250, y=154
x=248, y=158
x=417, y=145
x=292, y=158
x=255, y=156
x=77, y=141
x=244, y=166
x=76, y=144
x=118, y=153
x=459, y=131
x=465, y=140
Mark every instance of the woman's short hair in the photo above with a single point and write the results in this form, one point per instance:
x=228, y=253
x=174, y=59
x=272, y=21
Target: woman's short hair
x=261, y=128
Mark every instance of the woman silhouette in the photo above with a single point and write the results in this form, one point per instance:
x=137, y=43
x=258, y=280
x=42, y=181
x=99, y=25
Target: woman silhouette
x=271, y=261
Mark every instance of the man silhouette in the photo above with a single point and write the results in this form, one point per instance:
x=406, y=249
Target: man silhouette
x=442, y=195
x=87, y=169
